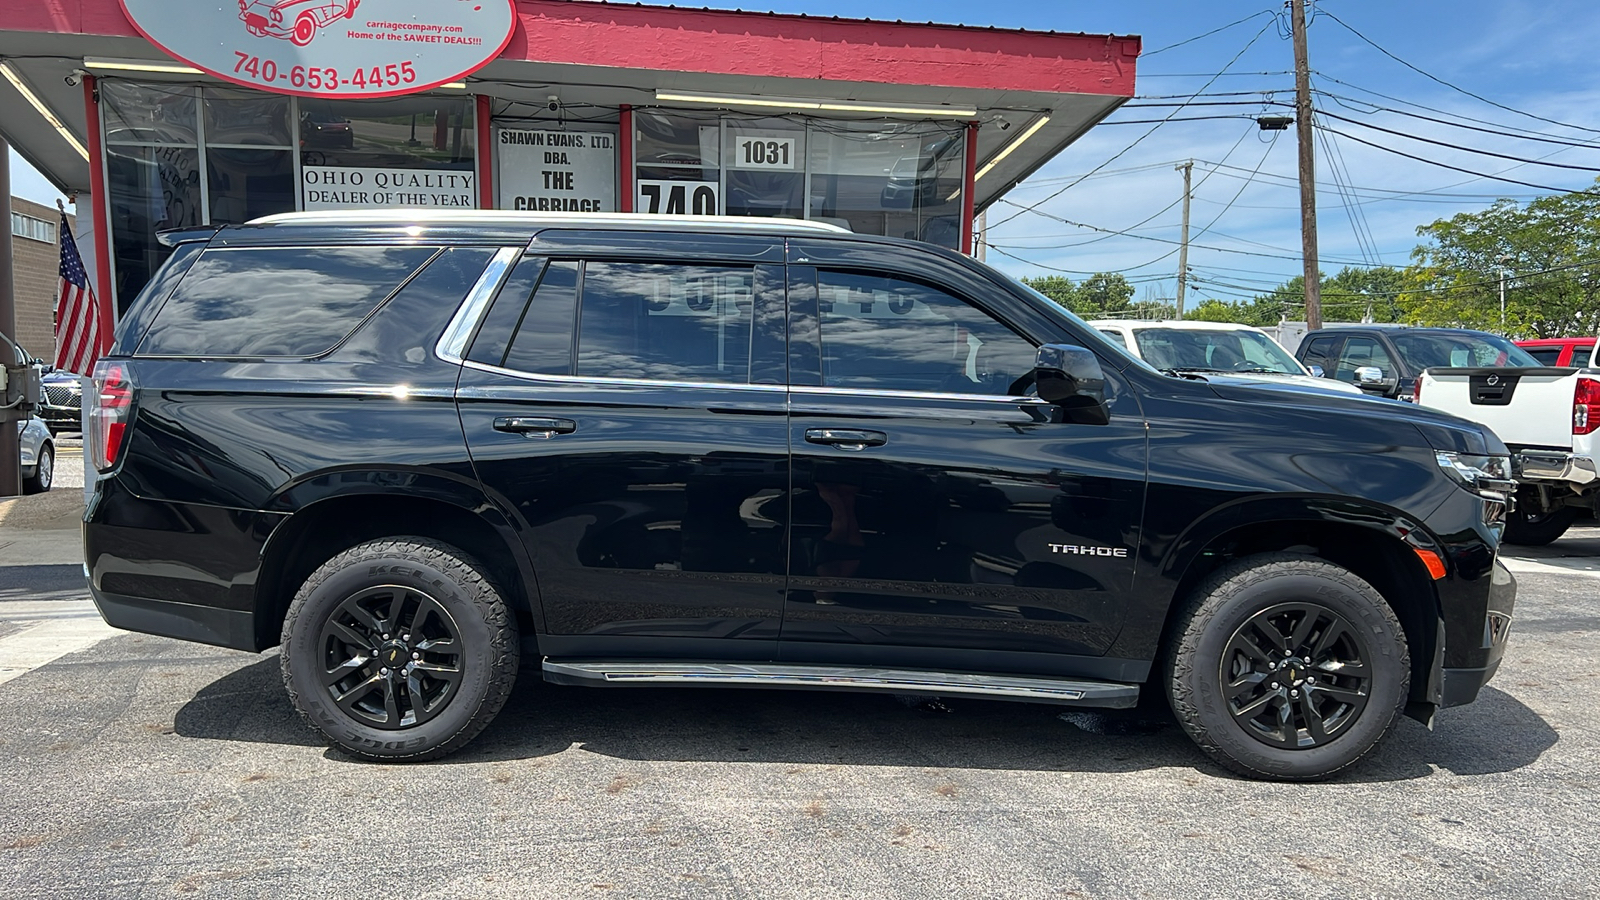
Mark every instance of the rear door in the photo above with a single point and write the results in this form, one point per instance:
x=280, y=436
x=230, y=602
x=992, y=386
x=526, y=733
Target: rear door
x=623, y=403
x=942, y=517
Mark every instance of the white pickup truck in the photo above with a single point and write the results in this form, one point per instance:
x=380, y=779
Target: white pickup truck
x=1548, y=417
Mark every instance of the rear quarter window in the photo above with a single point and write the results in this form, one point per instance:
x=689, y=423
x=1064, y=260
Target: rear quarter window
x=277, y=301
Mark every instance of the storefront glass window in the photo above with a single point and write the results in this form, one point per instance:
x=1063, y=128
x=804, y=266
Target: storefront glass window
x=250, y=118
x=148, y=113
x=678, y=158
x=410, y=132
x=896, y=180
x=766, y=168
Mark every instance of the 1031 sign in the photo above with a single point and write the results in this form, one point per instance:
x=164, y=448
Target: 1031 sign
x=766, y=153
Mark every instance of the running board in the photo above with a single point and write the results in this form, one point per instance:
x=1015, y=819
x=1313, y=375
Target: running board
x=1026, y=688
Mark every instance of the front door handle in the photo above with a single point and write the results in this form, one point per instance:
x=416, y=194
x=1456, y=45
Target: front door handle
x=535, y=426
x=846, y=438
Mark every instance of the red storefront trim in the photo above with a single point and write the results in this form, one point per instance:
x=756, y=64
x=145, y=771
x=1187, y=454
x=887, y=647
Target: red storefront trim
x=625, y=159
x=485, y=155
x=99, y=202
x=969, y=188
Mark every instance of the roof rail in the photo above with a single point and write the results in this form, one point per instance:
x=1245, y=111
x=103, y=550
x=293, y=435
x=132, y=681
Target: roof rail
x=549, y=220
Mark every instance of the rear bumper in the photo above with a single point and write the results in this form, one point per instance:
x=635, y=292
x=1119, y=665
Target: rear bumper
x=1460, y=685
x=185, y=621
x=1553, y=465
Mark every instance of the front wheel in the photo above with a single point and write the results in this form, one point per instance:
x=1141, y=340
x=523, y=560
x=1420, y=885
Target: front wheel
x=1528, y=526
x=399, y=649
x=1287, y=667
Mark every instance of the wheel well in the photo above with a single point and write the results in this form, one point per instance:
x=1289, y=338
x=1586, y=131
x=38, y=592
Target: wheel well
x=1381, y=560
x=321, y=531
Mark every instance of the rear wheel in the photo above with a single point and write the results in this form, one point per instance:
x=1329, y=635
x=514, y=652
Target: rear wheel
x=1287, y=667
x=305, y=28
x=1530, y=526
x=399, y=649
x=44, y=472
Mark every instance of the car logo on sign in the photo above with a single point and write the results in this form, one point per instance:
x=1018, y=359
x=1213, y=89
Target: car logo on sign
x=1493, y=380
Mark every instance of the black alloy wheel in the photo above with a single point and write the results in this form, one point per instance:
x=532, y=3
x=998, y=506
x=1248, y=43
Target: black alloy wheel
x=1287, y=667
x=391, y=657
x=399, y=649
x=1295, y=675
x=1530, y=526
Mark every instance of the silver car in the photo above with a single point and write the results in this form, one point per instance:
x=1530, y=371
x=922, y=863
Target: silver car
x=38, y=456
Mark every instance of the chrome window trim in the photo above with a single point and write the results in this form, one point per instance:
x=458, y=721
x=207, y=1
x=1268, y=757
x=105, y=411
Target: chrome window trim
x=452, y=346
x=915, y=395
x=590, y=380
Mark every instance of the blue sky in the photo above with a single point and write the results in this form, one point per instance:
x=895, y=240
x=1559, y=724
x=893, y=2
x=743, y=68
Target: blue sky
x=1536, y=57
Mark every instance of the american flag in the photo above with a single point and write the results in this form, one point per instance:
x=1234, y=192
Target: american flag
x=80, y=339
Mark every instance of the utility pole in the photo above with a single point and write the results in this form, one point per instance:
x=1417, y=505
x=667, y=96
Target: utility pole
x=1183, y=248
x=1308, y=166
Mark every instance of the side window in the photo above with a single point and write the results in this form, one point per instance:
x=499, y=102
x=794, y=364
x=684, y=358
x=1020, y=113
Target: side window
x=665, y=322
x=884, y=333
x=1318, y=352
x=544, y=341
x=1362, y=351
x=1547, y=356
x=277, y=301
x=500, y=323
x=1115, y=335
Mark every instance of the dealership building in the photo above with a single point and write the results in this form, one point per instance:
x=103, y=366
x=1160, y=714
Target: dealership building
x=159, y=115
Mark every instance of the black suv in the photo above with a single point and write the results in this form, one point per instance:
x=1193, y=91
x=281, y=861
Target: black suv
x=670, y=451
x=1386, y=361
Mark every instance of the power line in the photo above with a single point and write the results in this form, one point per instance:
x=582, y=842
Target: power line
x=1454, y=87
x=1141, y=137
x=1433, y=109
x=1432, y=162
x=1515, y=134
x=1264, y=12
x=1417, y=137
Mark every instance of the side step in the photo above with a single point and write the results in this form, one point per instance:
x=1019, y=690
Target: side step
x=1026, y=688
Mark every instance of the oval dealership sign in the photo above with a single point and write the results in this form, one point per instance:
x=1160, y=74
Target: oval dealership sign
x=330, y=48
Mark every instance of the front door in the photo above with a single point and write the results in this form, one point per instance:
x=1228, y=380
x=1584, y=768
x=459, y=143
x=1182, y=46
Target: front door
x=614, y=412
x=942, y=517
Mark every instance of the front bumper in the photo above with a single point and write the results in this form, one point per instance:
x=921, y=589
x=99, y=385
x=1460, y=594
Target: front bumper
x=1460, y=685
x=1553, y=465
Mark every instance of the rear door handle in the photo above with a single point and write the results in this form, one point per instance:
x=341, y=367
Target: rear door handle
x=535, y=426
x=846, y=438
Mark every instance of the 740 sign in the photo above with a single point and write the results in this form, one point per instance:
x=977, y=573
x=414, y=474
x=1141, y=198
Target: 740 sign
x=678, y=198
x=267, y=72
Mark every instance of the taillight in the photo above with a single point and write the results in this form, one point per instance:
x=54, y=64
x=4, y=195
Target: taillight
x=1586, y=406
x=1416, y=390
x=108, y=421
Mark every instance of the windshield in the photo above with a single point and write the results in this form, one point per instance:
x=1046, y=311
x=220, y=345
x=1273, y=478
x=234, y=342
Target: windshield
x=1470, y=349
x=1214, y=351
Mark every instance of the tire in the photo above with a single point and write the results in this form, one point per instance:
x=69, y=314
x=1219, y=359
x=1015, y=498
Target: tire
x=451, y=623
x=1538, y=529
x=44, y=472
x=1364, y=667
x=305, y=28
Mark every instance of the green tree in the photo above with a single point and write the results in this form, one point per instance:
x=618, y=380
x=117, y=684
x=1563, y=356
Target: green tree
x=1349, y=296
x=1057, y=287
x=1550, y=247
x=1101, y=294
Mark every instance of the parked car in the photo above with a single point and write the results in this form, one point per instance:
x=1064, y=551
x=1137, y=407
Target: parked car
x=1386, y=360
x=62, y=402
x=1214, y=347
x=38, y=456
x=669, y=451
x=1574, y=352
x=1549, y=417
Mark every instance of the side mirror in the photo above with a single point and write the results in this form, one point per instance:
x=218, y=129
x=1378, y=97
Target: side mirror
x=1070, y=377
x=1317, y=372
x=1372, y=380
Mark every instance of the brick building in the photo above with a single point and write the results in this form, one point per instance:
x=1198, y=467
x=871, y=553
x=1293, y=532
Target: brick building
x=36, y=251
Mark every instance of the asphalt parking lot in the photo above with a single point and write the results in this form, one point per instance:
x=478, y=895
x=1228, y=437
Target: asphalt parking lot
x=136, y=766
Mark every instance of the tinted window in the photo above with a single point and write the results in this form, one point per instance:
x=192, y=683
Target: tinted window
x=1115, y=336
x=277, y=301
x=1318, y=351
x=494, y=335
x=884, y=333
x=676, y=323
x=405, y=332
x=1468, y=349
x=1360, y=352
x=1212, y=350
x=1547, y=356
x=544, y=341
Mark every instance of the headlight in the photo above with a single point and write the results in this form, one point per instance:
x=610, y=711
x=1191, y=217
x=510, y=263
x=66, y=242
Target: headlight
x=1487, y=476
